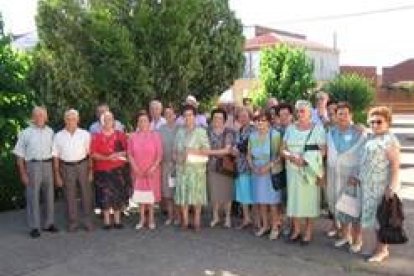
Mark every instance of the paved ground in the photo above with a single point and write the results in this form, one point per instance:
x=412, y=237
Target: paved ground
x=169, y=251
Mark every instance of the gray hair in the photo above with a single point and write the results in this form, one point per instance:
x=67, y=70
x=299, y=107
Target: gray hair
x=71, y=112
x=39, y=108
x=155, y=103
x=303, y=104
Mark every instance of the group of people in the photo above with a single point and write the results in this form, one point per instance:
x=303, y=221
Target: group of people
x=278, y=164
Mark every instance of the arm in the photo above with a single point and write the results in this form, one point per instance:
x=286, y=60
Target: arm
x=131, y=159
x=393, y=155
x=21, y=165
x=56, y=170
x=159, y=153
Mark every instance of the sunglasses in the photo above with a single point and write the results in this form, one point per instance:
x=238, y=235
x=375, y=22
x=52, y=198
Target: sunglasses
x=376, y=122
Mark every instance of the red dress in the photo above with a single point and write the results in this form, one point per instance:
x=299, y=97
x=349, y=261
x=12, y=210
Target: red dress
x=145, y=148
x=111, y=177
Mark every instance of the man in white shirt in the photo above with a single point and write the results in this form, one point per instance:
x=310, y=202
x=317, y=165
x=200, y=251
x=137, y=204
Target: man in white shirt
x=34, y=160
x=71, y=164
x=156, y=111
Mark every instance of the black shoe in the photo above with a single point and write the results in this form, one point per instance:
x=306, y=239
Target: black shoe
x=35, y=233
x=118, y=226
x=52, y=229
x=107, y=227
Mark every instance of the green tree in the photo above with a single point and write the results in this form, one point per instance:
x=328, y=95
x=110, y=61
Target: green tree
x=285, y=73
x=354, y=89
x=128, y=52
x=15, y=103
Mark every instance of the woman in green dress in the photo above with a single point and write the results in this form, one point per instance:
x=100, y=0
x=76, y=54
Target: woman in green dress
x=190, y=190
x=304, y=166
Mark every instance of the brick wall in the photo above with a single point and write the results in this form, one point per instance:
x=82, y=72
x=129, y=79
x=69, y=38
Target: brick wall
x=403, y=71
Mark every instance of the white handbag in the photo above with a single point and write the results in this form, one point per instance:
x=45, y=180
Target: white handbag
x=171, y=181
x=348, y=205
x=143, y=197
x=194, y=158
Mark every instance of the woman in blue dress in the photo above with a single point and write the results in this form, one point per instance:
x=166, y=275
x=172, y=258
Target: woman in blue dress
x=243, y=179
x=263, y=154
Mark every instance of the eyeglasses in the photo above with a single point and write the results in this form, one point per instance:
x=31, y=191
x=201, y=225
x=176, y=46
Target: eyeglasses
x=376, y=122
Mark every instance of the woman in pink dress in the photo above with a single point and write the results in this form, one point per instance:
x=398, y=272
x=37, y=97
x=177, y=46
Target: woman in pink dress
x=145, y=155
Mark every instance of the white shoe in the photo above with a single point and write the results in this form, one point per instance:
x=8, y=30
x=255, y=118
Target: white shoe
x=332, y=233
x=356, y=247
x=98, y=211
x=227, y=223
x=379, y=257
x=152, y=226
x=214, y=222
x=342, y=242
x=274, y=235
x=261, y=232
x=139, y=226
x=168, y=222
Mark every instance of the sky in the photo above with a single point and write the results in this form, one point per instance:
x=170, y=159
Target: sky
x=381, y=39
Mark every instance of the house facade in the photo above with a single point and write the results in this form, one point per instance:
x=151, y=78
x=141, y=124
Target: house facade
x=325, y=59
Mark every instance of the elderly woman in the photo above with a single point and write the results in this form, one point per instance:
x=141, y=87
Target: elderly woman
x=220, y=184
x=145, y=155
x=190, y=189
x=263, y=154
x=378, y=171
x=303, y=149
x=243, y=179
x=168, y=132
x=344, y=143
x=108, y=153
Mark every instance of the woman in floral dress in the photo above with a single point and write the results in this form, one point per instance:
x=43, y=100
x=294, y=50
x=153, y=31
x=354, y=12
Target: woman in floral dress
x=190, y=190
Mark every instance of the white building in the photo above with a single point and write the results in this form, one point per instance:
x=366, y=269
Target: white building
x=325, y=59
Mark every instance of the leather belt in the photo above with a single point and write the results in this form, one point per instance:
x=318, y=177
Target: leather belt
x=40, y=160
x=72, y=163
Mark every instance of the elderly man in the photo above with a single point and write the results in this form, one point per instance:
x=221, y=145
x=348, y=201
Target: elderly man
x=156, y=115
x=34, y=160
x=71, y=164
x=97, y=126
x=201, y=119
x=320, y=112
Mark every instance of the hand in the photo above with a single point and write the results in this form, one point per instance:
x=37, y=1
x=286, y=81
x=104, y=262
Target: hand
x=90, y=176
x=389, y=192
x=235, y=151
x=353, y=181
x=58, y=181
x=152, y=170
x=25, y=179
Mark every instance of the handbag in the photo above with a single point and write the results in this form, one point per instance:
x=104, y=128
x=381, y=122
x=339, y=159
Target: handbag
x=278, y=179
x=390, y=217
x=227, y=164
x=143, y=197
x=348, y=205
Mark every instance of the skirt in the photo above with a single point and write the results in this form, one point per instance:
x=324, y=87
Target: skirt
x=112, y=187
x=243, y=188
x=220, y=187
